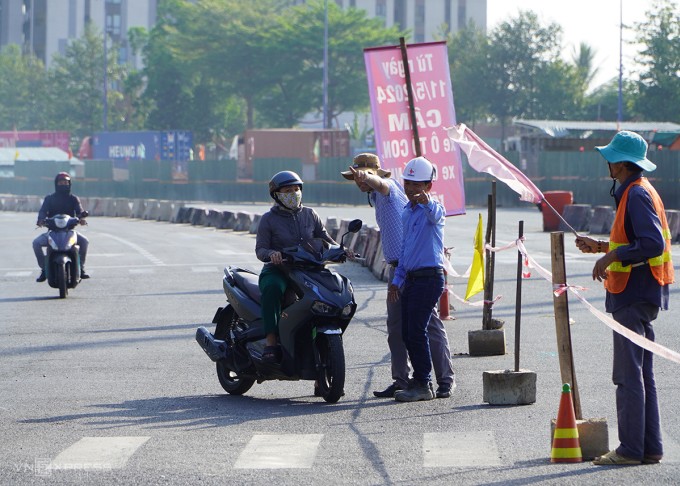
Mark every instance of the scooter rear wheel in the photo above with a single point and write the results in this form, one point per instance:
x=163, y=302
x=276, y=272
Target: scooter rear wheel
x=331, y=379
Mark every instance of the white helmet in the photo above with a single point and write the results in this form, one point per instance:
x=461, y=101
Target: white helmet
x=420, y=170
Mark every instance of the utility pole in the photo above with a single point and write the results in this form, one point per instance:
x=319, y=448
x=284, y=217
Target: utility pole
x=326, y=120
x=619, y=115
x=105, y=102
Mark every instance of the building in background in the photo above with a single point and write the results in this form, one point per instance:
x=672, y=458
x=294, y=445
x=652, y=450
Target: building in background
x=45, y=27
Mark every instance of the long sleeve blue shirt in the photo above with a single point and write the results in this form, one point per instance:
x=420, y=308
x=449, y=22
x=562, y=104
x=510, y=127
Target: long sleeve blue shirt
x=645, y=240
x=423, y=239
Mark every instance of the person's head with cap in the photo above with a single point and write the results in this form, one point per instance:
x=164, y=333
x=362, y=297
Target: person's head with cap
x=627, y=147
x=367, y=163
x=418, y=176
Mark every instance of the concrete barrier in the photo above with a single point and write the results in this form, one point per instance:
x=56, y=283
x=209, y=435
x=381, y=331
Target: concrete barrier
x=177, y=213
x=243, y=221
x=213, y=218
x=122, y=208
x=332, y=226
x=152, y=210
x=227, y=220
x=577, y=215
x=166, y=210
x=602, y=220
x=197, y=216
x=255, y=224
x=138, y=208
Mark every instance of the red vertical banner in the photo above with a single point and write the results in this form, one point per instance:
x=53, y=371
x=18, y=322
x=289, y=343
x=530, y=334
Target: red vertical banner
x=434, y=109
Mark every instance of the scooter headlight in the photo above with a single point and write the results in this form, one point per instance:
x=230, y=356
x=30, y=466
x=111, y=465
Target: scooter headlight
x=60, y=222
x=52, y=244
x=324, y=309
x=347, y=311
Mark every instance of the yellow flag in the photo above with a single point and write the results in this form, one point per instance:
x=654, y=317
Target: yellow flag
x=476, y=279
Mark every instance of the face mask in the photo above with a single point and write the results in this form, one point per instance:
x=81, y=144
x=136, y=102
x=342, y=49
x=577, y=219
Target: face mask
x=63, y=189
x=290, y=200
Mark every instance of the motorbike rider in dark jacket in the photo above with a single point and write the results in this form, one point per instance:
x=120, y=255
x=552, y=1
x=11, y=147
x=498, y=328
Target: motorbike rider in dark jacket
x=288, y=223
x=60, y=202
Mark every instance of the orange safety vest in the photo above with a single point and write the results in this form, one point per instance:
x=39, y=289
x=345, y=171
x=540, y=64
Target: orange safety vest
x=661, y=266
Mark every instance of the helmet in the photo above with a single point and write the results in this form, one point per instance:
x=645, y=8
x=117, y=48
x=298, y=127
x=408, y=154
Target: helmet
x=62, y=176
x=283, y=179
x=419, y=170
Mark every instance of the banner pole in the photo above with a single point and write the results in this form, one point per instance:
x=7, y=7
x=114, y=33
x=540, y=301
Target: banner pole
x=409, y=90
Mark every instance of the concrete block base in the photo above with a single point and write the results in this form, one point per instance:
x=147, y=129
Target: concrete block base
x=507, y=387
x=487, y=342
x=593, y=435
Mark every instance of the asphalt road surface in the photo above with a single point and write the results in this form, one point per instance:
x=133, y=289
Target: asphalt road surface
x=109, y=386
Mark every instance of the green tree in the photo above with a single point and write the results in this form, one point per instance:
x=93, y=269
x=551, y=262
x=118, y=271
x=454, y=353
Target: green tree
x=296, y=61
x=23, y=82
x=76, y=85
x=584, y=60
x=528, y=78
x=659, y=86
x=468, y=52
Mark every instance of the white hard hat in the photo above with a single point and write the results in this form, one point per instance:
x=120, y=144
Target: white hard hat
x=420, y=170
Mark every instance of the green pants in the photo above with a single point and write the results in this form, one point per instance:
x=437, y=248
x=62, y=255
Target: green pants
x=273, y=284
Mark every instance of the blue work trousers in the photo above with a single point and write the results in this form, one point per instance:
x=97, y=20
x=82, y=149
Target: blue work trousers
x=637, y=405
x=419, y=296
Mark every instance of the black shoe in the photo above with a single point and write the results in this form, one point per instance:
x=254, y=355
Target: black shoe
x=387, y=392
x=83, y=273
x=444, y=391
x=42, y=277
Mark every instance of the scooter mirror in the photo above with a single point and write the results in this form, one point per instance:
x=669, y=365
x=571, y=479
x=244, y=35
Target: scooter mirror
x=354, y=225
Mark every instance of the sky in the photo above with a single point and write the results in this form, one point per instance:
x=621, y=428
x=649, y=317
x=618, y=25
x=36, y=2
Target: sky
x=595, y=22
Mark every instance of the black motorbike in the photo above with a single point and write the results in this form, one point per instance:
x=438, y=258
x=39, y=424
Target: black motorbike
x=318, y=305
x=62, y=261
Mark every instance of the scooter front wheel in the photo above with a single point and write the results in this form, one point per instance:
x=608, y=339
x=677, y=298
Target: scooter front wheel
x=331, y=366
x=62, y=280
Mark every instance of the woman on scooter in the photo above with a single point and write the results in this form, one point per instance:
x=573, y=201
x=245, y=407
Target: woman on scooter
x=288, y=223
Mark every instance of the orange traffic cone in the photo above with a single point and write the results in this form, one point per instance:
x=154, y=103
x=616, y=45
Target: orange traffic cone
x=566, y=446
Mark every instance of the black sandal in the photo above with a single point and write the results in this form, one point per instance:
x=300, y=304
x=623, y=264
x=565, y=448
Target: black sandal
x=271, y=354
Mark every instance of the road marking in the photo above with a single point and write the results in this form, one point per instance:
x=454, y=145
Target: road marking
x=140, y=271
x=460, y=449
x=98, y=453
x=18, y=274
x=146, y=254
x=205, y=269
x=286, y=451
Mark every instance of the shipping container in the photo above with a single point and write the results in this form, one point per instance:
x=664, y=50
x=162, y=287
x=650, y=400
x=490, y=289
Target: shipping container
x=11, y=139
x=306, y=146
x=143, y=145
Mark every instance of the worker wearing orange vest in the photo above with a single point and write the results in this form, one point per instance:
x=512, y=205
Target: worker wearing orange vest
x=636, y=270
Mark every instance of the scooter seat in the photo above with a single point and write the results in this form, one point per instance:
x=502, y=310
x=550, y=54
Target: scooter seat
x=248, y=282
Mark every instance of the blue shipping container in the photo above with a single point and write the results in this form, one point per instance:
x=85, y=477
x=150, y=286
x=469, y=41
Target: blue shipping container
x=149, y=145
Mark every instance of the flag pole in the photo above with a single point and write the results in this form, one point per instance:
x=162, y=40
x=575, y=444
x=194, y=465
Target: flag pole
x=557, y=213
x=409, y=90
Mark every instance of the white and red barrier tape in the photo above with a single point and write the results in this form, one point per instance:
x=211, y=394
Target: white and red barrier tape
x=530, y=263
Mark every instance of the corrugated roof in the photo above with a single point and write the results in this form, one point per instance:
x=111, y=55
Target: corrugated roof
x=559, y=128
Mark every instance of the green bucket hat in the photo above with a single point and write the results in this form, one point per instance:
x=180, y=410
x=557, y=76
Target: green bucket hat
x=627, y=147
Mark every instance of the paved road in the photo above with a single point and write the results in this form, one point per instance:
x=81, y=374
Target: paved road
x=108, y=385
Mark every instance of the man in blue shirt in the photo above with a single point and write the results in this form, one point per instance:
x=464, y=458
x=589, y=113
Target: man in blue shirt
x=637, y=270
x=387, y=197
x=419, y=278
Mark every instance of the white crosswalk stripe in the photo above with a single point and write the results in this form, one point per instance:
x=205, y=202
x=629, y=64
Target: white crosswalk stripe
x=460, y=449
x=279, y=451
x=98, y=453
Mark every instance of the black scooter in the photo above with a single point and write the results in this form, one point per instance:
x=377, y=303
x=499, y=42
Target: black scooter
x=62, y=261
x=318, y=305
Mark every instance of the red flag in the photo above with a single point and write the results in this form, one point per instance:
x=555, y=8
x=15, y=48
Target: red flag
x=483, y=158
